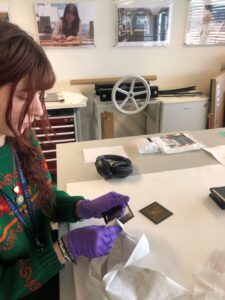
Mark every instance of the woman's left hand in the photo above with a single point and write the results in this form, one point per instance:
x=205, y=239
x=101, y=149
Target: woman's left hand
x=71, y=38
x=93, y=209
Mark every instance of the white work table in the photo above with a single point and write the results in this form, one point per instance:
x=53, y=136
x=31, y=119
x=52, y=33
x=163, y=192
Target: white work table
x=72, y=168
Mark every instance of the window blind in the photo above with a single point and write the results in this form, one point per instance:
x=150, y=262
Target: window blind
x=205, y=22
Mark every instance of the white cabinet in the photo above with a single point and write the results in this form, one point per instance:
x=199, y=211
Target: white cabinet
x=64, y=131
x=183, y=113
x=64, y=119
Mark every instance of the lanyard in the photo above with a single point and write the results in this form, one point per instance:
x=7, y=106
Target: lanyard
x=27, y=200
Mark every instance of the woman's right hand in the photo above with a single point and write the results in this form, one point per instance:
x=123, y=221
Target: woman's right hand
x=91, y=241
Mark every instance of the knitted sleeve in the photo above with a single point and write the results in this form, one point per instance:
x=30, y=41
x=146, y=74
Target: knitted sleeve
x=64, y=210
x=24, y=276
x=65, y=206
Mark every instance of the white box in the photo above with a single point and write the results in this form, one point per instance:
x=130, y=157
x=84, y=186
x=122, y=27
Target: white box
x=183, y=113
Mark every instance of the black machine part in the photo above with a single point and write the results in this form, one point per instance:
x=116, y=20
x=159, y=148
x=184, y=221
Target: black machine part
x=180, y=92
x=104, y=91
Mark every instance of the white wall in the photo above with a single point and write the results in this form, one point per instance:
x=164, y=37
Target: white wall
x=175, y=66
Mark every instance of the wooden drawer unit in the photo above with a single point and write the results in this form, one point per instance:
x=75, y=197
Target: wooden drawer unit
x=64, y=131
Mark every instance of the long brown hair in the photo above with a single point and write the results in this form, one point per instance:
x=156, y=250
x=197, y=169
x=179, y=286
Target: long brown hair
x=20, y=57
x=71, y=9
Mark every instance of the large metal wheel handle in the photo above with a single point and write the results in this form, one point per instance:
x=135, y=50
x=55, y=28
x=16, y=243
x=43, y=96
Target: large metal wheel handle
x=131, y=95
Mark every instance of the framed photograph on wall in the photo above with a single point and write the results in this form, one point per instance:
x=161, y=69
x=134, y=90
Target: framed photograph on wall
x=63, y=25
x=4, y=12
x=144, y=23
x=206, y=22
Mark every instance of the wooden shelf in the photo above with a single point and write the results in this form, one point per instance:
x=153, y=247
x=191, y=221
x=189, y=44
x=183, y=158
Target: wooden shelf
x=106, y=80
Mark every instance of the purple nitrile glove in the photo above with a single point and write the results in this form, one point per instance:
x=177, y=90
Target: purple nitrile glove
x=93, y=209
x=92, y=241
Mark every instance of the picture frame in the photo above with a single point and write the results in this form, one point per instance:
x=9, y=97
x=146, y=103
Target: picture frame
x=144, y=23
x=65, y=25
x=205, y=22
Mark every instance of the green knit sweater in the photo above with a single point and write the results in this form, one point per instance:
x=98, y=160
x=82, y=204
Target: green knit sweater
x=23, y=269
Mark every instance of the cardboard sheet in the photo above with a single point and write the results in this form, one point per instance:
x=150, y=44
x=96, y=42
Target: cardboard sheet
x=90, y=154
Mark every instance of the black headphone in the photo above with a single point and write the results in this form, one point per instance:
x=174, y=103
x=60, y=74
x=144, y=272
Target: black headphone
x=113, y=166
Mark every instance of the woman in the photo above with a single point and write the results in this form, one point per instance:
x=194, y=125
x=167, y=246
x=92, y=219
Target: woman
x=207, y=25
x=28, y=203
x=68, y=27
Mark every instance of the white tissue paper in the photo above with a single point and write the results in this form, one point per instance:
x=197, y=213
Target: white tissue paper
x=218, y=152
x=72, y=98
x=146, y=145
x=116, y=277
x=210, y=279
